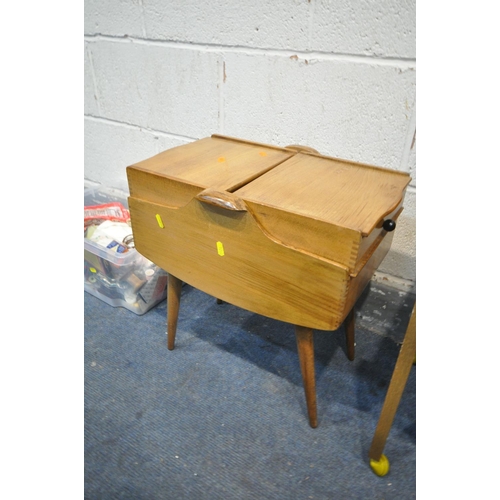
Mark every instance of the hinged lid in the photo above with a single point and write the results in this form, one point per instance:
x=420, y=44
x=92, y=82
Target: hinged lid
x=215, y=162
x=339, y=192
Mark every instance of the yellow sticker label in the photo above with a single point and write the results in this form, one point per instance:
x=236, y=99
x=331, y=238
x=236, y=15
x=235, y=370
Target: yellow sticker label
x=160, y=222
x=92, y=270
x=221, y=159
x=220, y=249
x=263, y=153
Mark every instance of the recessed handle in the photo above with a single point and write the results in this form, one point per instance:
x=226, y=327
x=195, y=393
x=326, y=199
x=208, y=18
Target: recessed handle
x=222, y=199
x=389, y=225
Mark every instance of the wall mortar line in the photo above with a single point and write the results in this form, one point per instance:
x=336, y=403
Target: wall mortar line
x=109, y=121
x=310, y=23
x=222, y=81
x=301, y=54
x=143, y=18
x=408, y=141
x=94, y=79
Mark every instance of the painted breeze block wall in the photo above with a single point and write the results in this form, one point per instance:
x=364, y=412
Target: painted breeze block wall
x=335, y=75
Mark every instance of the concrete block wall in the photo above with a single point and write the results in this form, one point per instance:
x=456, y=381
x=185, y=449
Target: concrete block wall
x=336, y=75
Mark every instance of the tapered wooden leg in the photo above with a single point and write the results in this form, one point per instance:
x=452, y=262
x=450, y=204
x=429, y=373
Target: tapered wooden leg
x=173, y=300
x=349, y=326
x=305, y=347
x=399, y=378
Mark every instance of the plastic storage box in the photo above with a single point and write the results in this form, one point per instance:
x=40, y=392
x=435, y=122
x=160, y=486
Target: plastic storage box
x=120, y=277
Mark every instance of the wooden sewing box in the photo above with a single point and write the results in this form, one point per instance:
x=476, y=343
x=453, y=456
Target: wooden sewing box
x=284, y=232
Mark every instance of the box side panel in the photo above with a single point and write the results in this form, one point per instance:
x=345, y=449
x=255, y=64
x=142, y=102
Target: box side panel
x=226, y=254
x=160, y=189
x=368, y=243
x=327, y=241
x=358, y=284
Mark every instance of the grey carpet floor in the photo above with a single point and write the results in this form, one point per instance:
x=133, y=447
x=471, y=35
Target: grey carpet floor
x=223, y=415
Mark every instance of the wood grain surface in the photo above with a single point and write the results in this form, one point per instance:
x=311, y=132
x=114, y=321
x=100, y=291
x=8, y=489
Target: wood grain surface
x=226, y=254
x=344, y=194
x=215, y=162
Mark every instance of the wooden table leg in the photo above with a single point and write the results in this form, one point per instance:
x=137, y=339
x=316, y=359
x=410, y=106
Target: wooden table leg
x=305, y=347
x=173, y=300
x=349, y=326
x=406, y=357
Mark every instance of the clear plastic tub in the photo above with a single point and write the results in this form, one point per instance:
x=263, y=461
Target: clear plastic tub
x=126, y=279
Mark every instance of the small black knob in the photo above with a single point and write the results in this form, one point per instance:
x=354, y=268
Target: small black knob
x=389, y=225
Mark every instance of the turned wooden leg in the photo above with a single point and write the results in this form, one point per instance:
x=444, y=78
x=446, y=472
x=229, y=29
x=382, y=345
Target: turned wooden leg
x=349, y=326
x=173, y=300
x=399, y=378
x=305, y=347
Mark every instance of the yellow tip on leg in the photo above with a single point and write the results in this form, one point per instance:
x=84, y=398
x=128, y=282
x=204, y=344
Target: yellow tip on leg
x=380, y=467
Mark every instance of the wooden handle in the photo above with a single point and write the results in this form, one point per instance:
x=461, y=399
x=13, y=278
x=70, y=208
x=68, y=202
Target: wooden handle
x=302, y=149
x=222, y=199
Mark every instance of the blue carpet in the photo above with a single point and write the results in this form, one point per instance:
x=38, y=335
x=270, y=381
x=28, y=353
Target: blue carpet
x=223, y=415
